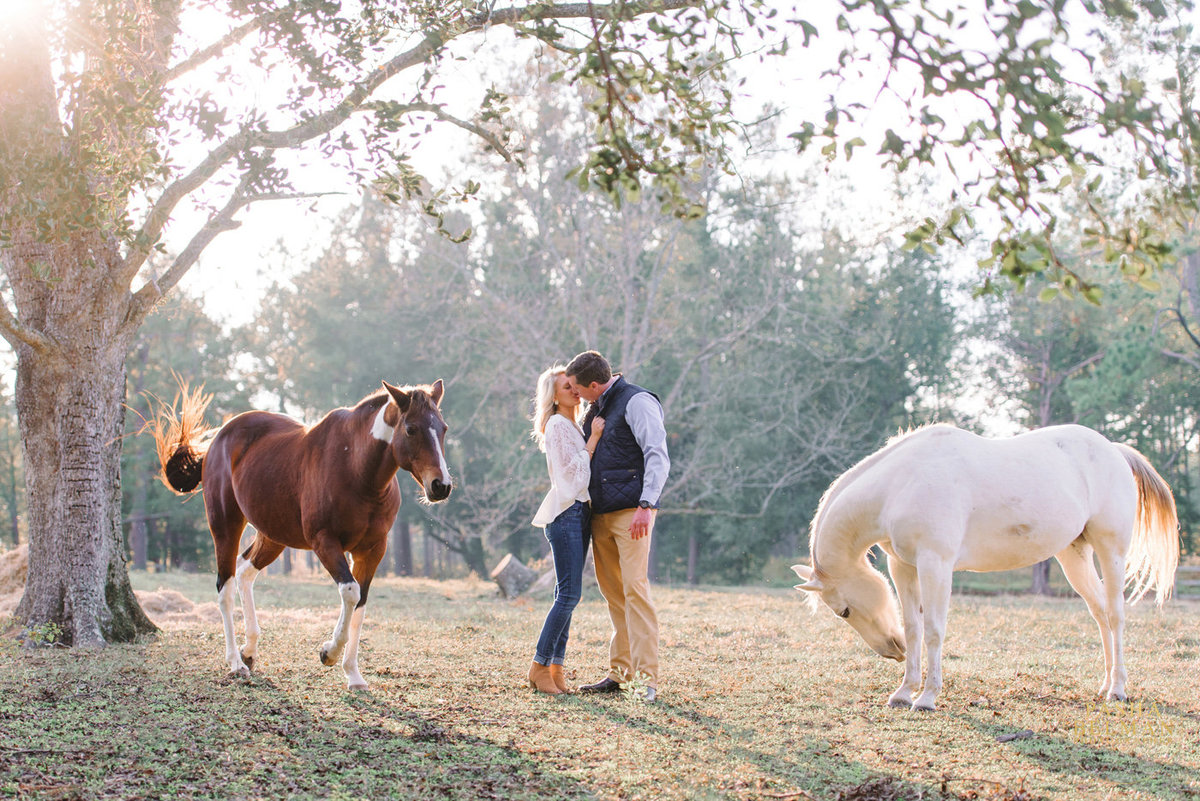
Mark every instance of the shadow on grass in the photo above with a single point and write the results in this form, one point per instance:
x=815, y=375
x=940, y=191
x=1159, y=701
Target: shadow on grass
x=808, y=762
x=93, y=728
x=1075, y=757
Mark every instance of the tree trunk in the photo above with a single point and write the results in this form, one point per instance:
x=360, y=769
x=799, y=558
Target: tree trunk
x=473, y=555
x=402, y=556
x=430, y=555
x=693, y=557
x=1041, y=578
x=139, y=522
x=139, y=532
x=71, y=411
x=513, y=577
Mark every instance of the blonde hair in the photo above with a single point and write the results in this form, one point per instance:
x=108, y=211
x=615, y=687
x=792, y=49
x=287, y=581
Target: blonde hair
x=543, y=403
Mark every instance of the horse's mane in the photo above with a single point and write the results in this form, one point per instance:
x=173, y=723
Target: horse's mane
x=854, y=472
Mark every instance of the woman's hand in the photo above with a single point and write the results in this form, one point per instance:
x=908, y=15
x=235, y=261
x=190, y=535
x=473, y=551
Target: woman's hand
x=597, y=430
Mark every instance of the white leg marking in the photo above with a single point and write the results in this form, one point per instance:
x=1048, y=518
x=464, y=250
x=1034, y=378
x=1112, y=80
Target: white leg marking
x=380, y=429
x=331, y=651
x=232, y=657
x=909, y=591
x=246, y=574
x=354, y=679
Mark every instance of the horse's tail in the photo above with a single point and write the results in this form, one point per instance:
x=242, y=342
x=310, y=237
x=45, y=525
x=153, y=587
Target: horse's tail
x=1154, y=552
x=181, y=438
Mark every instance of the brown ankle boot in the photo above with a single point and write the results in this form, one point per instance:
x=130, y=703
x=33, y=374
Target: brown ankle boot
x=560, y=681
x=540, y=680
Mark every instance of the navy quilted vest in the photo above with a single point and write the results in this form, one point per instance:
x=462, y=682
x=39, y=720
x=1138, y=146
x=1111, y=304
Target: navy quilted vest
x=618, y=464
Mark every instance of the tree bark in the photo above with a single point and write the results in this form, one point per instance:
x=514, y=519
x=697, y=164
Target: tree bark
x=71, y=411
x=512, y=576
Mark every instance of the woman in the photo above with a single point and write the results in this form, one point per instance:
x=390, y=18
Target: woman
x=564, y=514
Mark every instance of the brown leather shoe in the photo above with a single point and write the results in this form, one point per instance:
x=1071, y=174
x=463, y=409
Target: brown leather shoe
x=605, y=685
x=560, y=681
x=540, y=679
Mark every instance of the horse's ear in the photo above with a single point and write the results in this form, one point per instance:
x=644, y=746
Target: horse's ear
x=401, y=397
x=436, y=391
x=812, y=583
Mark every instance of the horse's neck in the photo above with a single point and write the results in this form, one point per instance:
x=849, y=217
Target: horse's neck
x=373, y=457
x=835, y=541
x=838, y=553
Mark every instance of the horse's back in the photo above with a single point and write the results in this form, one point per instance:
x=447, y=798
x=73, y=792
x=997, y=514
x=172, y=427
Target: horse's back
x=995, y=504
x=255, y=435
x=252, y=469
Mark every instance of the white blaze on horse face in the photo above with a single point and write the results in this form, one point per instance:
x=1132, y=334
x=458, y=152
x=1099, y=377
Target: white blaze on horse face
x=441, y=452
x=381, y=430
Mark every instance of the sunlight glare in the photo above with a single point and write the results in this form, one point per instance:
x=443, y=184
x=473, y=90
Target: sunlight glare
x=13, y=12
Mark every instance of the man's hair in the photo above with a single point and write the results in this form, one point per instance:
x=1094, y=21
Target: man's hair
x=590, y=367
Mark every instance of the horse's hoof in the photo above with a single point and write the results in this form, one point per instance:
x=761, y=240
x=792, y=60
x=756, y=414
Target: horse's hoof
x=327, y=657
x=1117, y=697
x=899, y=703
x=357, y=687
x=924, y=708
x=249, y=660
x=242, y=672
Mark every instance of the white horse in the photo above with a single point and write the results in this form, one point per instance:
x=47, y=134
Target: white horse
x=940, y=499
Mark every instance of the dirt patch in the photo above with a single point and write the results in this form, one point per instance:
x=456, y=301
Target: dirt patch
x=169, y=608
x=14, y=567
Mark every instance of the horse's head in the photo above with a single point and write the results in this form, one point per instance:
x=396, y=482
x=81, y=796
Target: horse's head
x=418, y=436
x=864, y=600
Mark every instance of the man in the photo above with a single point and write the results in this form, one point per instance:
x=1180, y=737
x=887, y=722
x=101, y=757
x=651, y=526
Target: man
x=629, y=468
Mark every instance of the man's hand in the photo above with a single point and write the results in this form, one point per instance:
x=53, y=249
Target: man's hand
x=642, y=520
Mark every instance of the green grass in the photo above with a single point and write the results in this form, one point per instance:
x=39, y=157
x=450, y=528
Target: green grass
x=759, y=699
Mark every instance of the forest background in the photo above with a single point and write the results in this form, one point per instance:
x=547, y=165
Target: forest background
x=789, y=331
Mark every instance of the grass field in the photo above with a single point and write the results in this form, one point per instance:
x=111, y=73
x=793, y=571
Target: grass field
x=759, y=699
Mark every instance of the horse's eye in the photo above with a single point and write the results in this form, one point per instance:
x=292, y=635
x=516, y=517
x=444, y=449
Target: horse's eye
x=411, y=430
x=845, y=612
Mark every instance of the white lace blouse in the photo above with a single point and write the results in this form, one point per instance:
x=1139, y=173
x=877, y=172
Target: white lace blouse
x=570, y=469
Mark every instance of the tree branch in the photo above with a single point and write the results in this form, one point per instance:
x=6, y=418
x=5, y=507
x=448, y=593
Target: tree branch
x=441, y=114
x=218, y=47
x=16, y=334
x=355, y=99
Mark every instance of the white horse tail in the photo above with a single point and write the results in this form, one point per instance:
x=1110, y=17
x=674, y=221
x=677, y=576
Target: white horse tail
x=1154, y=552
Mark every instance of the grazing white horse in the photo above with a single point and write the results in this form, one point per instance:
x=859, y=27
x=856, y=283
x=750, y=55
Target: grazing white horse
x=940, y=499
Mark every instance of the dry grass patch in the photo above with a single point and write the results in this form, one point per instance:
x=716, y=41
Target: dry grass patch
x=759, y=699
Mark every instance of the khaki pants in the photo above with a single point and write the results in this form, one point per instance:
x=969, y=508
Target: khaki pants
x=621, y=566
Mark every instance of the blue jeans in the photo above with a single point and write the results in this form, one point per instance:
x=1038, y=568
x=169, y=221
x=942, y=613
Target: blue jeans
x=569, y=535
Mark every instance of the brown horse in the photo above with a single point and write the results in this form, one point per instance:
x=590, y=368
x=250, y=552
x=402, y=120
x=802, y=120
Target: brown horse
x=329, y=488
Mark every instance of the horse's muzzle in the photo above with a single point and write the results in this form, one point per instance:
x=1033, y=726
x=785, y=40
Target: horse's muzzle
x=438, y=490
